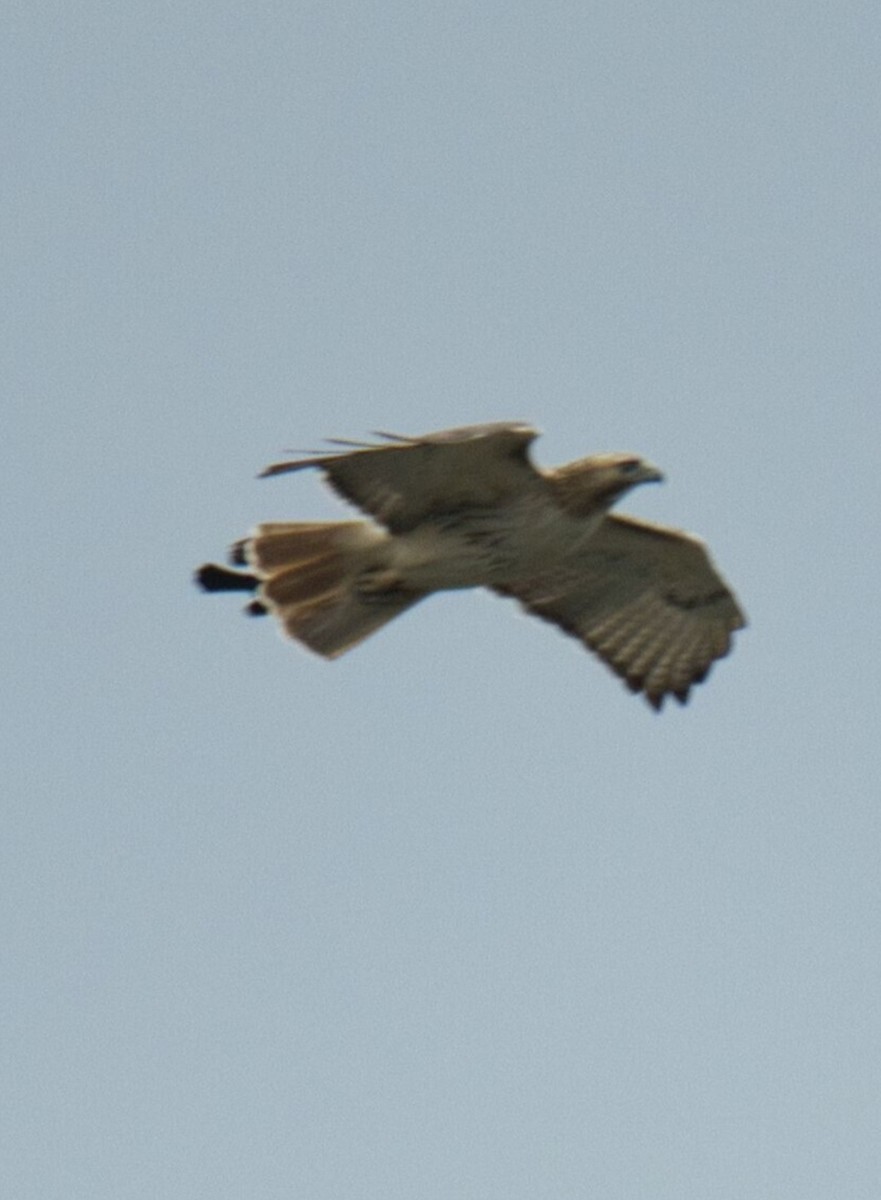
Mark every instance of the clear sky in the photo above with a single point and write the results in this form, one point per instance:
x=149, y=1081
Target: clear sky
x=456, y=917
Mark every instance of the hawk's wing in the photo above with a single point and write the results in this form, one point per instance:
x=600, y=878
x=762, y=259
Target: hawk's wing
x=478, y=466
x=647, y=599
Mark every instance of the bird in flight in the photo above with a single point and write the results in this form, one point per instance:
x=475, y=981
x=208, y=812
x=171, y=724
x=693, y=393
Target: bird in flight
x=468, y=508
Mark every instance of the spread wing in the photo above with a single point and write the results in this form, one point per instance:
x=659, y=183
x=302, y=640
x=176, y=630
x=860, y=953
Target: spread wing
x=647, y=599
x=403, y=483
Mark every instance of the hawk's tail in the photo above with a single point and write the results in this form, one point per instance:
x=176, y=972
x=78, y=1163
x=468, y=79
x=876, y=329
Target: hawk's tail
x=325, y=583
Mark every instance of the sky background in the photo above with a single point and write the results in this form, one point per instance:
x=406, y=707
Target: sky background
x=455, y=916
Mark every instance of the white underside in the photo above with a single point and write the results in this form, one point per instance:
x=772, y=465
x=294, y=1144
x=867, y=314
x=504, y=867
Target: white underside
x=483, y=550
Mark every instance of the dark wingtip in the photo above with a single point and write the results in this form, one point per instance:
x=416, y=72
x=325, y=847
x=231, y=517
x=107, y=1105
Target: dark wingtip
x=274, y=469
x=212, y=578
x=298, y=464
x=237, y=553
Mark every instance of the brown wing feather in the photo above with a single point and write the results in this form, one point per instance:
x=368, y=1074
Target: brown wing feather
x=401, y=485
x=647, y=599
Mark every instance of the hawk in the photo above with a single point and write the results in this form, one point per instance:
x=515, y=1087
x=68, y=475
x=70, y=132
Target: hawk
x=468, y=508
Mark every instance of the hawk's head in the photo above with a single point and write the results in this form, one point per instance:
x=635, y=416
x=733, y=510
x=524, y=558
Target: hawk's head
x=594, y=484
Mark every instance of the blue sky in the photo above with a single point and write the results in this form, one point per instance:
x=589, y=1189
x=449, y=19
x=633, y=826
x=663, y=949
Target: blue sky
x=455, y=916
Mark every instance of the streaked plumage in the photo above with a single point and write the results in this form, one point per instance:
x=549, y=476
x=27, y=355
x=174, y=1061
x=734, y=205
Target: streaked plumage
x=467, y=508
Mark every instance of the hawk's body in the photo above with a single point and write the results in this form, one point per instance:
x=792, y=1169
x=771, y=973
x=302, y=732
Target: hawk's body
x=487, y=548
x=466, y=508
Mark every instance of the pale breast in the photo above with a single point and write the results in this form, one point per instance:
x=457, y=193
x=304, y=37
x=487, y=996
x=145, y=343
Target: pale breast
x=486, y=548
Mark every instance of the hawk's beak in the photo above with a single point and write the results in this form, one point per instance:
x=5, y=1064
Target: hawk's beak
x=651, y=474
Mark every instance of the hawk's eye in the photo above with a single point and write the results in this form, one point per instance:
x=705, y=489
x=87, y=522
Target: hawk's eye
x=630, y=467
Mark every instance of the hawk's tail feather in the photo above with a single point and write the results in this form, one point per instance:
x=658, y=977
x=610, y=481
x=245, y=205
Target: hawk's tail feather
x=315, y=579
